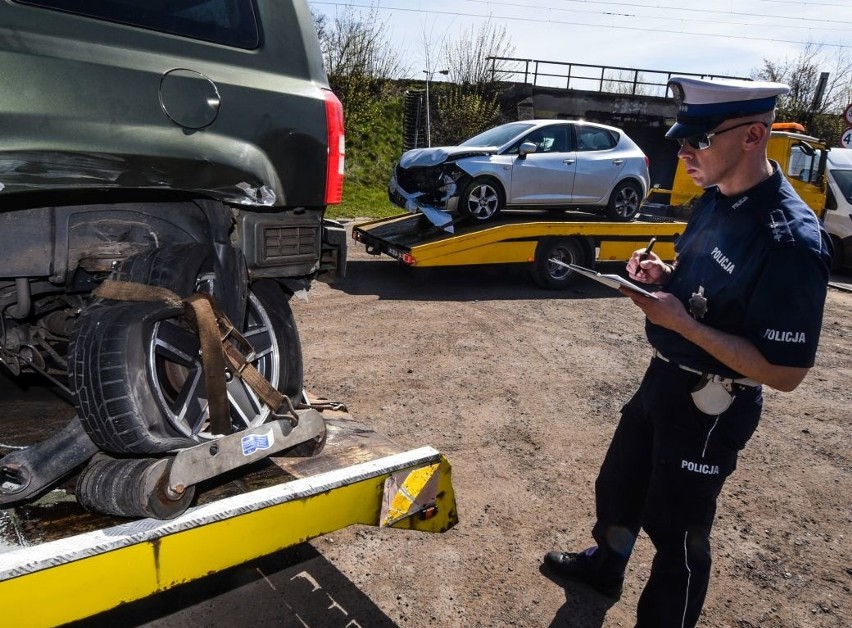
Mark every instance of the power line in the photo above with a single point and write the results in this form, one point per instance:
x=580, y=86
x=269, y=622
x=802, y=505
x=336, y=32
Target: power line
x=800, y=3
x=385, y=7
x=674, y=18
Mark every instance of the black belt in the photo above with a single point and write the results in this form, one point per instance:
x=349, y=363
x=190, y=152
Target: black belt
x=742, y=381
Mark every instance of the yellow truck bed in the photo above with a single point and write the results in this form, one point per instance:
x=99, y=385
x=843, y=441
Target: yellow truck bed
x=60, y=563
x=515, y=238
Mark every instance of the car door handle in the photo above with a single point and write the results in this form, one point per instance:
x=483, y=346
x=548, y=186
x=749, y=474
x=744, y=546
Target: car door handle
x=568, y=162
x=617, y=162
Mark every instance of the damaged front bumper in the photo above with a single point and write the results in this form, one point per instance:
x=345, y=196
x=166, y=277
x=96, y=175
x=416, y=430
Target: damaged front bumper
x=415, y=202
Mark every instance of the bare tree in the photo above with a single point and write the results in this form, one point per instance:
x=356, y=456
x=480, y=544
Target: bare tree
x=320, y=24
x=360, y=64
x=431, y=49
x=820, y=110
x=470, y=58
x=467, y=102
x=625, y=82
x=357, y=43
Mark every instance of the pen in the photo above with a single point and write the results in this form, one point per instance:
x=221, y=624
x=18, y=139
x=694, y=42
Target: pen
x=651, y=243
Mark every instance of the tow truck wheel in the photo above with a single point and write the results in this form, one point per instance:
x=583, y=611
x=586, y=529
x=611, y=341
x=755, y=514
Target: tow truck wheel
x=624, y=202
x=553, y=276
x=481, y=199
x=137, y=373
x=133, y=487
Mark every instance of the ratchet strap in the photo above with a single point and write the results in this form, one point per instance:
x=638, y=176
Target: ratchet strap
x=218, y=338
x=212, y=363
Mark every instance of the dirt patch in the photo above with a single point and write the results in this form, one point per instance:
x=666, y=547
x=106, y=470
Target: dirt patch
x=521, y=389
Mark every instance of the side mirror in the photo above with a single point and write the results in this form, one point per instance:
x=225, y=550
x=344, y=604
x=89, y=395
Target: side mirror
x=806, y=148
x=526, y=148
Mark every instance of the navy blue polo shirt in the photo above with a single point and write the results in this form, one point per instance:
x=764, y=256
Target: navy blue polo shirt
x=763, y=259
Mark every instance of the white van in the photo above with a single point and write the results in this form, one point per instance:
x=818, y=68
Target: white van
x=838, y=205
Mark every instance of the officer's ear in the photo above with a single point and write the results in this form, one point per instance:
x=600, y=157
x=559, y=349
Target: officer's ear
x=757, y=136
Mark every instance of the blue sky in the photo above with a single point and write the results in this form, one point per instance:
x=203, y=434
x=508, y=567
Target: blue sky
x=727, y=37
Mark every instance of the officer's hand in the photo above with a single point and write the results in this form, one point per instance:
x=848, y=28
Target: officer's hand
x=647, y=268
x=666, y=310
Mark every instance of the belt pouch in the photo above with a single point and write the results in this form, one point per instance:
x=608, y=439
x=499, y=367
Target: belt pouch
x=712, y=396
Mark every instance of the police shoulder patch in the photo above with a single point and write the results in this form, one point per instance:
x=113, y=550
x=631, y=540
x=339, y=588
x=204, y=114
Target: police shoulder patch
x=779, y=228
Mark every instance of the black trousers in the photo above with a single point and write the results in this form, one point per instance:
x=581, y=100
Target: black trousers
x=663, y=471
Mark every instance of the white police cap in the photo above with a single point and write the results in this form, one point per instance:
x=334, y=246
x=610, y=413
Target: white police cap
x=703, y=104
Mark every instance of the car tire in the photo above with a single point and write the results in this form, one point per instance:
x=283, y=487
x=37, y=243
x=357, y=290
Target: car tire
x=624, y=202
x=130, y=487
x=552, y=276
x=481, y=200
x=175, y=267
x=136, y=373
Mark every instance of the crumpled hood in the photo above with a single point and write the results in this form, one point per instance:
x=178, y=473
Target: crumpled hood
x=425, y=157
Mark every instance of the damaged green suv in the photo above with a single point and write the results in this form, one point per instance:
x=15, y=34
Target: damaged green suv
x=191, y=145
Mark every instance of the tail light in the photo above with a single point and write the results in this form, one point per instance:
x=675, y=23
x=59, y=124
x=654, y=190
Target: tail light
x=336, y=148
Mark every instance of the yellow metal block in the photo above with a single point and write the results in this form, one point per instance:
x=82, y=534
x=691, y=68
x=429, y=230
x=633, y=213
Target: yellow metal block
x=438, y=514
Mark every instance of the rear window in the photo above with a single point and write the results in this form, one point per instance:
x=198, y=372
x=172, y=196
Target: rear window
x=227, y=22
x=594, y=138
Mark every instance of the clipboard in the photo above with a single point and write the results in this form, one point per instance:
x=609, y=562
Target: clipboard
x=613, y=281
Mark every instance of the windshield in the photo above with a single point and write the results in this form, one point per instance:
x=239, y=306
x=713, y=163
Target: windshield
x=498, y=135
x=803, y=165
x=844, y=182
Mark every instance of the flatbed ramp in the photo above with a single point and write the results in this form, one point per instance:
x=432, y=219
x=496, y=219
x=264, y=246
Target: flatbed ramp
x=514, y=237
x=86, y=564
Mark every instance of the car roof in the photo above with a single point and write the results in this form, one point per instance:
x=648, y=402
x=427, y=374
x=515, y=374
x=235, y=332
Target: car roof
x=840, y=157
x=548, y=122
x=528, y=126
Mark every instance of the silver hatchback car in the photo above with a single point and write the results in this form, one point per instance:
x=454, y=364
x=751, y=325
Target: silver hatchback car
x=534, y=164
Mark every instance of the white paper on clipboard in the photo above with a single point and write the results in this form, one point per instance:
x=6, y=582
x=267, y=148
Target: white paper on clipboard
x=613, y=281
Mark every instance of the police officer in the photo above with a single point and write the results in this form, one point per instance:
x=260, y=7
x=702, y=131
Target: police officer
x=741, y=307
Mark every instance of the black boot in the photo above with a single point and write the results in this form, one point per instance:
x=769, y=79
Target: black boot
x=577, y=567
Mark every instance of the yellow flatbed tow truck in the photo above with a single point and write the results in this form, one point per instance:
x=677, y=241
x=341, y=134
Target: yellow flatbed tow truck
x=59, y=563
x=532, y=238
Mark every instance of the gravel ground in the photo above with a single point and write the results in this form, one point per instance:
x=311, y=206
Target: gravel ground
x=521, y=389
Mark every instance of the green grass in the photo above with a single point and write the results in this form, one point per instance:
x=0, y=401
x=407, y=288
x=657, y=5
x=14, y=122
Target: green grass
x=372, y=149
x=361, y=201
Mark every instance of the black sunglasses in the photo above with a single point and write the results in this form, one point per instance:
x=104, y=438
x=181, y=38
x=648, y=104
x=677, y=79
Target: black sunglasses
x=702, y=142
